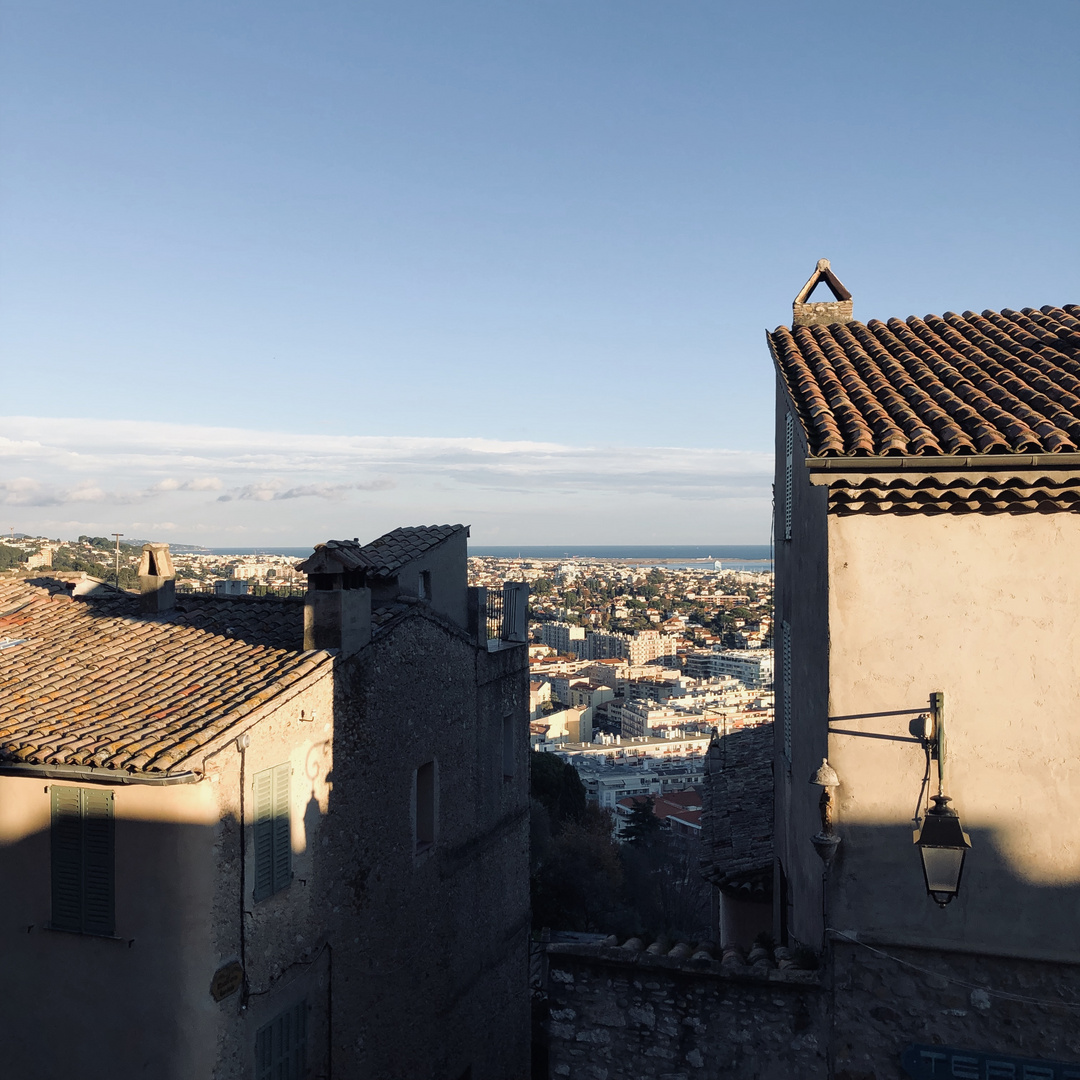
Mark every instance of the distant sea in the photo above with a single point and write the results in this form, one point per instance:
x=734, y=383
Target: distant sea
x=742, y=552
x=733, y=556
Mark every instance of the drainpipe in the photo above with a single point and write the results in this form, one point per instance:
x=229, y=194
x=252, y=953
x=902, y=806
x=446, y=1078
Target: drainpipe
x=242, y=743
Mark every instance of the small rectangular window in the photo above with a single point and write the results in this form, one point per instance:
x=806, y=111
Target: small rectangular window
x=273, y=831
x=424, y=806
x=425, y=585
x=82, y=860
x=281, y=1046
x=508, y=747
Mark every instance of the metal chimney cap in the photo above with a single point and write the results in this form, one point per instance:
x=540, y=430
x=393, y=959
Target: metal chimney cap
x=825, y=776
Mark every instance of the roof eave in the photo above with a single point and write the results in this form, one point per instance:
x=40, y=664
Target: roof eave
x=96, y=775
x=941, y=463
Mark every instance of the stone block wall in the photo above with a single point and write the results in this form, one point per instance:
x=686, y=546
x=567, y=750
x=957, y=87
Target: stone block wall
x=891, y=997
x=617, y=1014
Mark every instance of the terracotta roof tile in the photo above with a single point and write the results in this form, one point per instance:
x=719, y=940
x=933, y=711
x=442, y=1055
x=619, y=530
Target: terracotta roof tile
x=97, y=683
x=932, y=495
x=1003, y=382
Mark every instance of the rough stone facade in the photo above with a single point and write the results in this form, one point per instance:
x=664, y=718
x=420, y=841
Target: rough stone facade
x=887, y=999
x=433, y=945
x=618, y=1014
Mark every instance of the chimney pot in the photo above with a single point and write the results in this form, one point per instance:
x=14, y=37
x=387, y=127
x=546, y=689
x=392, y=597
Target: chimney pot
x=157, y=578
x=805, y=312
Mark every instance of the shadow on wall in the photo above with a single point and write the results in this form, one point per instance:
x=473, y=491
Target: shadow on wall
x=877, y=885
x=145, y=999
x=952, y=976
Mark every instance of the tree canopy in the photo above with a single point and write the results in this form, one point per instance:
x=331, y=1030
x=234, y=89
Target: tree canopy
x=556, y=785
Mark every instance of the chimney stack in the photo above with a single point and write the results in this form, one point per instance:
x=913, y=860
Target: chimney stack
x=157, y=578
x=336, y=617
x=337, y=608
x=822, y=312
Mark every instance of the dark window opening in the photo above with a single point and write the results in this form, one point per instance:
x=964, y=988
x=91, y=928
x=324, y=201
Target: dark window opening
x=425, y=585
x=508, y=747
x=425, y=806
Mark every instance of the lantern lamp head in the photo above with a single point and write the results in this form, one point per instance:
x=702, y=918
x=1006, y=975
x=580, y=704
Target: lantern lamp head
x=942, y=844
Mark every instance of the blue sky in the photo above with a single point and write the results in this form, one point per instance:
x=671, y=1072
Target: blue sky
x=494, y=262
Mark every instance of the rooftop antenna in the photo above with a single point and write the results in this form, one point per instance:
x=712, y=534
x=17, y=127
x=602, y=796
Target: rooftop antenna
x=118, y=535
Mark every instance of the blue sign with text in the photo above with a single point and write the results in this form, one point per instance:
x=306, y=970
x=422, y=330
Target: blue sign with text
x=947, y=1063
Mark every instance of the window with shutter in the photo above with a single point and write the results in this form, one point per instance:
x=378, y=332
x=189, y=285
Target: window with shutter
x=789, y=471
x=82, y=860
x=273, y=840
x=785, y=653
x=281, y=1046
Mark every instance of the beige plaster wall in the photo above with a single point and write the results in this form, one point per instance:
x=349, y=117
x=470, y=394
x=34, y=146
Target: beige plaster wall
x=106, y=1007
x=986, y=609
x=284, y=933
x=140, y=1004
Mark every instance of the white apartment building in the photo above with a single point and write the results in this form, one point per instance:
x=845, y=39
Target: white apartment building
x=752, y=667
x=639, y=648
x=638, y=718
x=563, y=637
x=606, y=784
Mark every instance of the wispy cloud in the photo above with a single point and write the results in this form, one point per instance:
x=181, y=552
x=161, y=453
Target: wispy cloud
x=190, y=470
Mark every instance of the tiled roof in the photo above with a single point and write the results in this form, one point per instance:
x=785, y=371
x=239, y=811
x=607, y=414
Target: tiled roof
x=95, y=683
x=382, y=557
x=737, y=825
x=1003, y=382
x=932, y=495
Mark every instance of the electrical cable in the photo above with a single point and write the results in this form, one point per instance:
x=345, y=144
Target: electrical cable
x=925, y=784
x=1004, y=994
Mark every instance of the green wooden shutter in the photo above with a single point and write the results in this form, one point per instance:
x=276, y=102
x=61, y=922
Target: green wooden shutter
x=264, y=834
x=66, y=844
x=273, y=839
x=282, y=829
x=83, y=888
x=97, y=826
x=281, y=1046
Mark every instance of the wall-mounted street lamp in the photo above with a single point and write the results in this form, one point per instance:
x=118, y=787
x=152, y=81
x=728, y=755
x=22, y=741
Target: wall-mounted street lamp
x=826, y=841
x=941, y=841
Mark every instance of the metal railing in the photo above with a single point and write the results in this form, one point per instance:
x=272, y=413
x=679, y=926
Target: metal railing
x=209, y=589
x=500, y=615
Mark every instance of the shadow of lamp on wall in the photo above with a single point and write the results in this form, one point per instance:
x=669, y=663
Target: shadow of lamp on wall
x=941, y=840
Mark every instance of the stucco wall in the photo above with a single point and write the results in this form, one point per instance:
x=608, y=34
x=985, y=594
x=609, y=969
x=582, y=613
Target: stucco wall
x=105, y=1007
x=141, y=1003
x=284, y=933
x=987, y=609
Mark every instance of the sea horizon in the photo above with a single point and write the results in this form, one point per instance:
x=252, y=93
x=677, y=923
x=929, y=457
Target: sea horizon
x=741, y=553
